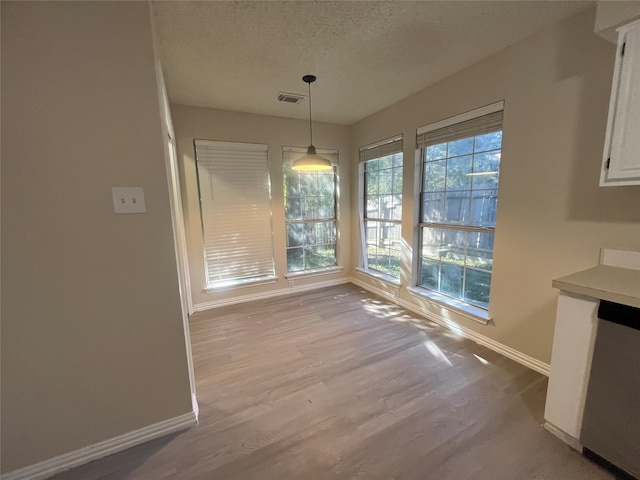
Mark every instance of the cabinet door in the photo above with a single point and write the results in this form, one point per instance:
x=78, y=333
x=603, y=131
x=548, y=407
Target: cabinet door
x=575, y=330
x=622, y=148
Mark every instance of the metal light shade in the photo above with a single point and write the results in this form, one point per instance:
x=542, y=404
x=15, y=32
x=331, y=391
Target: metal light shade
x=311, y=161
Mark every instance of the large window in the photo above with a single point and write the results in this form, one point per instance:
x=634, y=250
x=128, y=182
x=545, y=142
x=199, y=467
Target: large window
x=459, y=195
x=310, y=213
x=382, y=206
x=235, y=208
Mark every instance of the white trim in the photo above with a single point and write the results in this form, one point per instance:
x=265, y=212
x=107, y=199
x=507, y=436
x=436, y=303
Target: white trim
x=362, y=256
x=562, y=435
x=381, y=149
x=314, y=272
x=234, y=146
x=204, y=306
x=469, y=311
x=393, y=281
x=521, y=358
x=93, y=452
x=386, y=141
x=175, y=204
x=195, y=406
x=389, y=295
x=233, y=284
x=463, y=117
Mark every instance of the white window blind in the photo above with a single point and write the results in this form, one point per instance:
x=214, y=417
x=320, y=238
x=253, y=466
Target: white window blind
x=235, y=205
x=390, y=146
x=485, y=120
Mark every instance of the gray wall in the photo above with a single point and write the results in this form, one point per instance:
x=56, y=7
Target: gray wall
x=92, y=337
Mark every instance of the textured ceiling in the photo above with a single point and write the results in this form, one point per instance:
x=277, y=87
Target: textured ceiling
x=367, y=55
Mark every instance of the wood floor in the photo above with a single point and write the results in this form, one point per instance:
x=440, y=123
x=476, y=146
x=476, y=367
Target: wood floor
x=340, y=384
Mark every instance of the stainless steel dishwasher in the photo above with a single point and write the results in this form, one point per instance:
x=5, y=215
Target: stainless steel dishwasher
x=611, y=422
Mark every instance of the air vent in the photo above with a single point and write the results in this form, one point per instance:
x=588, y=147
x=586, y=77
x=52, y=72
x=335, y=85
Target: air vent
x=290, y=97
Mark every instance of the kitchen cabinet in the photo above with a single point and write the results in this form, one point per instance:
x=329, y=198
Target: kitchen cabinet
x=615, y=280
x=621, y=160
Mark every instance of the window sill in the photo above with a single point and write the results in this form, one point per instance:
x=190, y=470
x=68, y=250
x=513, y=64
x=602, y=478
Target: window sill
x=380, y=276
x=313, y=272
x=469, y=311
x=233, y=284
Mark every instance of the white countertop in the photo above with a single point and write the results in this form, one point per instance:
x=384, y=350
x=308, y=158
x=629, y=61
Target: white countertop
x=615, y=284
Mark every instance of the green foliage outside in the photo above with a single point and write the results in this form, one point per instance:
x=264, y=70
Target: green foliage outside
x=384, y=259
x=459, y=187
x=310, y=211
x=383, y=187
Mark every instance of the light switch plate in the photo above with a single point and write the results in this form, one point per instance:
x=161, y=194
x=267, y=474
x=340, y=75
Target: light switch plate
x=128, y=200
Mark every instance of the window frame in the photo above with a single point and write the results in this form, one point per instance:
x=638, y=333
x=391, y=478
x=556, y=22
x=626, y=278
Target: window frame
x=477, y=310
x=207, y=153
x=289, y=154
x=370, y=153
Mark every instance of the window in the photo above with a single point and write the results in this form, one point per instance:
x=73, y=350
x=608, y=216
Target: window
x=235, y=209
x=459, y=195
x=310, y=213
x=382, y=206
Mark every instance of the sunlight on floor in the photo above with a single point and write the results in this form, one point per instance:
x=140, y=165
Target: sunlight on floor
x=381, y=309
x=481, y=360
x=436, y=352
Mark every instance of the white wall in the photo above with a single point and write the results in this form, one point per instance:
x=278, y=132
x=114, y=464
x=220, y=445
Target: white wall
x=552, y=216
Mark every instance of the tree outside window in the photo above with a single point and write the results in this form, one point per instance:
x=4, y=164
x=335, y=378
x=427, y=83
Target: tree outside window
x=383, y=213
x=310, y=215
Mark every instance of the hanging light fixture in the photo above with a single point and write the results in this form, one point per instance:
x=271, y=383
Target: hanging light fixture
x=311, y=161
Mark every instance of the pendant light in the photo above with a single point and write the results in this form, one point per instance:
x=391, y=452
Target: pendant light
x=311, y=161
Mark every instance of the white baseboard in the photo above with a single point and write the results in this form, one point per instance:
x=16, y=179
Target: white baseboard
x=498, y=347
x=562, y=435
x=87, y=454
x=195, y=406
x=201, y=307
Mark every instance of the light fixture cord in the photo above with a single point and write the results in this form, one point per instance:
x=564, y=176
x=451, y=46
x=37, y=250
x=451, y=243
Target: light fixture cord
x=310, y=127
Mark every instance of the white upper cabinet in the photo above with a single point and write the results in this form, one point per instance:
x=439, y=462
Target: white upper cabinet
x=621, y=162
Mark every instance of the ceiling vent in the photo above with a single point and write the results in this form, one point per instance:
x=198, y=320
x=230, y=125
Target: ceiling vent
x=290, y=97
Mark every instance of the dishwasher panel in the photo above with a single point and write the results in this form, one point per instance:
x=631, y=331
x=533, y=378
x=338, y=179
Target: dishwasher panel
x=611, y=421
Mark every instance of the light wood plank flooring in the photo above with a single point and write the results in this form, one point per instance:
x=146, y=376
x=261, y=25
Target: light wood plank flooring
x=340, y=384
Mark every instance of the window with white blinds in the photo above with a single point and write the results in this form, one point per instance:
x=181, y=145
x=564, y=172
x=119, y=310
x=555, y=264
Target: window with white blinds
x=381, y=165
x=460, y=159
x=235, y=207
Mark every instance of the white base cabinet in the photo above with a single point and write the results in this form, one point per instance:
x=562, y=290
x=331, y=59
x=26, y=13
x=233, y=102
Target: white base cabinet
x=575, y=332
